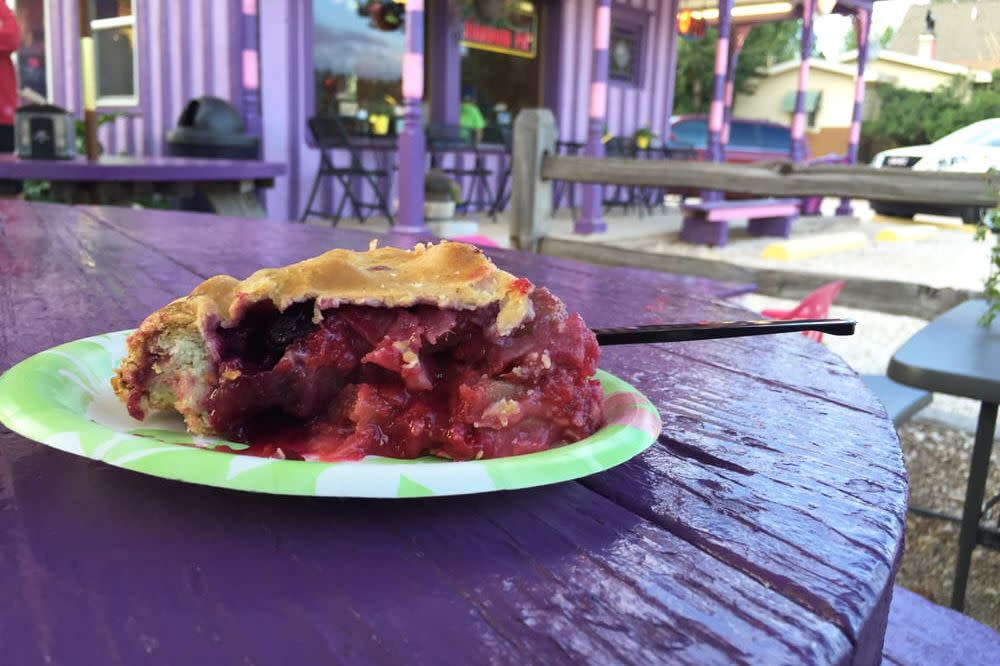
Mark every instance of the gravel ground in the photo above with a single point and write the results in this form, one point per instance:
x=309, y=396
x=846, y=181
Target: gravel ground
x=936, y=446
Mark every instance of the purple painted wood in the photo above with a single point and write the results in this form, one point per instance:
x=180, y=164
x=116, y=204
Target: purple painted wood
x=138, y=169
x=764, y=527
x=862, y=28
x=412, y=153
x=589, y=220
x=921, y=632
x=799, y=149
x=780, y=225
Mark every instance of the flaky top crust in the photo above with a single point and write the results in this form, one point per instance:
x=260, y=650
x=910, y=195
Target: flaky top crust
x=449, y=275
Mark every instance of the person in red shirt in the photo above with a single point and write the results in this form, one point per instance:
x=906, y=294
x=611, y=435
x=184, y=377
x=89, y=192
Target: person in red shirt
x=10, y=39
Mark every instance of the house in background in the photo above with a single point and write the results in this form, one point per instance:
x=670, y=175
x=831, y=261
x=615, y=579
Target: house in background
x=959, y=33
x=829, y=101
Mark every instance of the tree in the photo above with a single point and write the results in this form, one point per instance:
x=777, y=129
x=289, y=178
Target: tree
x=851, y=38
x=912, y=117
x=767, y=44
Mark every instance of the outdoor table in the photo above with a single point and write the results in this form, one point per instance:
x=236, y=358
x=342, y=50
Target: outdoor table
x=765, y=525
x=230, y=186
x=955, y=355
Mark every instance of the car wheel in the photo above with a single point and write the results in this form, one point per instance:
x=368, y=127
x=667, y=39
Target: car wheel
x=890, y=210
x=978, y=216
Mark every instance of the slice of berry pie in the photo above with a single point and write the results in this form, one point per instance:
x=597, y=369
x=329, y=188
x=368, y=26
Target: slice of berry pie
x=389, y=352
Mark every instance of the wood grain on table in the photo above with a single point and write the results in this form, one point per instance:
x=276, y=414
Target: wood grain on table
x=765, y=525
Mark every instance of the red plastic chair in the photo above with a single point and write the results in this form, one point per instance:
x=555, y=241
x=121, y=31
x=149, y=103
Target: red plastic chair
x=814, y=306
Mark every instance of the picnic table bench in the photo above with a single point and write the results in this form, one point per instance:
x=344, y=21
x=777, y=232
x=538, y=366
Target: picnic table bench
x=228, y=186
x=764, y=526
x=707, y=222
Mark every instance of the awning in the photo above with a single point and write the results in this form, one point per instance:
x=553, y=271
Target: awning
x=812, y=101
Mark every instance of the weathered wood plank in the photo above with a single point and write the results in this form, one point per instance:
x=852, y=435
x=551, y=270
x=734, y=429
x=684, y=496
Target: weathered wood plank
x=889, y=296
x=782, y=179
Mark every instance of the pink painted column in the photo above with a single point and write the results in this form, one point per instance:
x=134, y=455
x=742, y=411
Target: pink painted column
x=799, y=117
x=862, y=28
x=671, y=7
x=739, y=38
x=250, y=67
x=410, y=216
x=716, y=111
x=590, y=220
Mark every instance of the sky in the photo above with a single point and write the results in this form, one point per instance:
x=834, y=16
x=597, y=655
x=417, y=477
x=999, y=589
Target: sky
x=831, y=30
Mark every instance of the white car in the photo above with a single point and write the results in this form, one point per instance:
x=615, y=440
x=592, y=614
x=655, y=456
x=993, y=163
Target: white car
x=974, y=148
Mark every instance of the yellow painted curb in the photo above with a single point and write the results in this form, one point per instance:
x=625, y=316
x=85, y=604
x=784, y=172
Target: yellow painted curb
x=948, y=226
x=908, y=233
x=816, y=246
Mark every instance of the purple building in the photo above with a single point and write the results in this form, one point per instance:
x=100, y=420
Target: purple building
x=281, y=61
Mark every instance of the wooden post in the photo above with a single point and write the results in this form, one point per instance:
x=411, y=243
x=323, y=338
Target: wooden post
x=799, y=118
x=410, y=216
x=531, y=197
x=862, y=28
x=88, y=81
x=590, y=221
x=716, y=109
x=740, y=33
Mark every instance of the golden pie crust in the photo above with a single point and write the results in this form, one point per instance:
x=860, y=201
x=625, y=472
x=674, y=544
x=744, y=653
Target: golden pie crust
x=173, y=350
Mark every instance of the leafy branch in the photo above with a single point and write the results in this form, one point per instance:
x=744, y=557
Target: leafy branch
x=991, y=290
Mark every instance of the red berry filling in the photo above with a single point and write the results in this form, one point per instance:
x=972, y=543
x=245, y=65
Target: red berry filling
x=405, y=382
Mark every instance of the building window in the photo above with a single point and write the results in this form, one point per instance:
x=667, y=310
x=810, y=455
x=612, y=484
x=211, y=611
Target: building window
x=32, y=56
x=627, y=46
x=115, y=54
x=357, y=61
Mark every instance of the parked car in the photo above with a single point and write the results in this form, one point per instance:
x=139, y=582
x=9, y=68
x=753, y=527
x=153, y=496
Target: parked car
x=749, y=140
x=974, y=148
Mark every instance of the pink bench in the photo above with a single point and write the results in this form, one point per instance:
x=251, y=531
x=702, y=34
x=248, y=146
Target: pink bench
x=707, y=222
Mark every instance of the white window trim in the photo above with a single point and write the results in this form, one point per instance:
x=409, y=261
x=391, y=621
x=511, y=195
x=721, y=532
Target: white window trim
x=97, y=25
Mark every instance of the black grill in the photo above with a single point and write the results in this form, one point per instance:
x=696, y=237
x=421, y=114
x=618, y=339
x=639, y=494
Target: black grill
x=900, y=161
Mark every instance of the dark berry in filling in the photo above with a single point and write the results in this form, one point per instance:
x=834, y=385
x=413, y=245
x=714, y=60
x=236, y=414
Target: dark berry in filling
x=405, y=382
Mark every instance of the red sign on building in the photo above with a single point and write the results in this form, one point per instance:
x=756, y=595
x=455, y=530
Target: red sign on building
x=499, y=39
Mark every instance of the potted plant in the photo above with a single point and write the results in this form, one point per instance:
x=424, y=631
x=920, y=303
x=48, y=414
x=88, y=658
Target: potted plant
x=643, y=137
x=441, y=195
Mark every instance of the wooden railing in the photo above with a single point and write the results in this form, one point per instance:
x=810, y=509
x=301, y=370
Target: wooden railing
x=535, y=166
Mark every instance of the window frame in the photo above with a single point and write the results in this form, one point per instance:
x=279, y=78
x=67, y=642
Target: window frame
x=47, y=13
x=118, y=102
x=629, y=19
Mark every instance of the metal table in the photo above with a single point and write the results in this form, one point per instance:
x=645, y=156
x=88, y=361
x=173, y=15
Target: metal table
x=954, y=355
x=765, y=525
x=229, y=186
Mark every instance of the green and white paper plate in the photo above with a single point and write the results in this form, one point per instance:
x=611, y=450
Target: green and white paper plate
x=62, y=398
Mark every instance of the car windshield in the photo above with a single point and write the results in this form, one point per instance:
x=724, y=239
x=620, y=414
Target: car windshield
x=978, y=134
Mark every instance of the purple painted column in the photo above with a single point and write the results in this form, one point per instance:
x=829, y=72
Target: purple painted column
x=739, y=38
x=670, y=6
x=862, y=28
x=799, y=117
x=250, y=67
x=410, y=216
x=446, y=62
x=590, y=220
x=715, y=112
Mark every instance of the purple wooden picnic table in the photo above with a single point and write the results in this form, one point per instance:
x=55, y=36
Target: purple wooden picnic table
x=764, y=526
x=229, y=186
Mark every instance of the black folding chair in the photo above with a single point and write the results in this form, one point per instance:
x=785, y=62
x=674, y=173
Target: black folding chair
x=448, y=138
x=330, y=133
x=624, y=196
x=502, y=135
